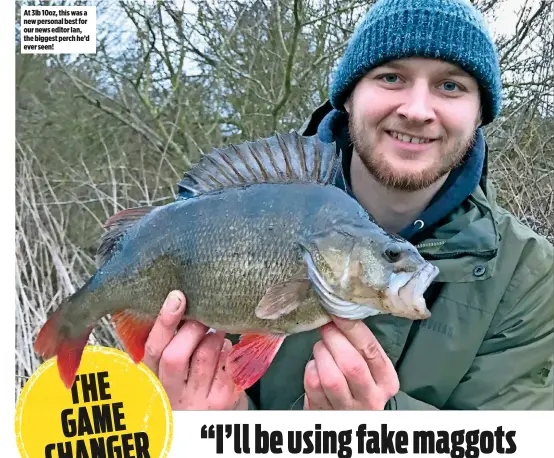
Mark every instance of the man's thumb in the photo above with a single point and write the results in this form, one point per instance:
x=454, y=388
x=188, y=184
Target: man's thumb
x=174, y=303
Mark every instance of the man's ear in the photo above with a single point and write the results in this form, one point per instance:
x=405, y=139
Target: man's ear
x=479, y=120
x=348, y=104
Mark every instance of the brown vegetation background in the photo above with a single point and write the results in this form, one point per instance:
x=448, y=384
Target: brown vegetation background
x=102, y=132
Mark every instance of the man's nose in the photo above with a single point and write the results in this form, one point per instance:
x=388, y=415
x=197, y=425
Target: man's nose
x=417, y=104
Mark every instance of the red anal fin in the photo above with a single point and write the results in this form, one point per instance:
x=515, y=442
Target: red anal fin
x=70, y=352
x=133, y=330
x=250, y=358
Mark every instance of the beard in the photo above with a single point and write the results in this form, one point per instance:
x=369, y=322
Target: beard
x=377, y=164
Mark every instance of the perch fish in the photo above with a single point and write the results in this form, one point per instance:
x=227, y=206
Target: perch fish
x=265, y=247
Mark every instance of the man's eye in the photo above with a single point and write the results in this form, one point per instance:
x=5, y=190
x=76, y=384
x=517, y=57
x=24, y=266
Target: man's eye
x=392, y=78
x=450, y=86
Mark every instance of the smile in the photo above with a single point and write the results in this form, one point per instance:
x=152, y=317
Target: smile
x=409, y=139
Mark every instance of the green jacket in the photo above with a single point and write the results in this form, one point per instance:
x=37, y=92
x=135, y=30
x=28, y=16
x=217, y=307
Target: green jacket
x=489, y=343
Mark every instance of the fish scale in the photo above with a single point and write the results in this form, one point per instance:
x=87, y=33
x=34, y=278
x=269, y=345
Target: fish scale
x=241, y=281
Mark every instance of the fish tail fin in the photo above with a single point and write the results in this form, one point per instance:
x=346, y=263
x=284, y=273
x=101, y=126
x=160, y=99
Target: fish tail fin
x=70, y=352
x=133, y=329
x=53, y=340
x=48, y=339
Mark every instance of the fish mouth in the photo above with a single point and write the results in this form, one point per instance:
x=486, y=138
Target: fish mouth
x=404, y=297
x=405, y=294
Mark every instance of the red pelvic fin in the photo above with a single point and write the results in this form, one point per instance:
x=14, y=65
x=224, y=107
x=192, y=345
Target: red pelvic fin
x=133, y=329
x=250, y=358
x=50, y=342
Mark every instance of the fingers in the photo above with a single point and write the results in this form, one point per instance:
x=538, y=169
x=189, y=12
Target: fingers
x=315, y=398
x=349, y=361
x=363, y=340
x=190, y=364
x=222, y=377
x=164, y=328
x=223, y=387
x=331, y=378
x=203, y=364
x=174, y=363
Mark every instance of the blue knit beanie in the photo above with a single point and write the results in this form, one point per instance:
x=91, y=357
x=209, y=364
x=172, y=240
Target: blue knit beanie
x=450, y=30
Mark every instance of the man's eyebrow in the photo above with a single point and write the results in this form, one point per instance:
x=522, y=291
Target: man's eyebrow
x=455, y=71
x=450, y=71
x=395, y=65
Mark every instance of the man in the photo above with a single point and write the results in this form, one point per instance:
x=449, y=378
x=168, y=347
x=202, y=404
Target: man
x=418, y=81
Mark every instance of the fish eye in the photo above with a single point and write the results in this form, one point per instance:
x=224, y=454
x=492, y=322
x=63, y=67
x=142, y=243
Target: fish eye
x=392, y=253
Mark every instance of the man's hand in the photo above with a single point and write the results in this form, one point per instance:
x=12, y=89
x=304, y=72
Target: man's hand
x=350, y=370
x=190, y=363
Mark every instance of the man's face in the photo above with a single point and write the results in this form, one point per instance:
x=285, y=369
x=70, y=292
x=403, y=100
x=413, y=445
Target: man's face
x=412, y=120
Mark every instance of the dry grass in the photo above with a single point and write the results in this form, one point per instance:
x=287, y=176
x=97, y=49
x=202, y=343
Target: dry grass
x=523, y=172
x=58, y=223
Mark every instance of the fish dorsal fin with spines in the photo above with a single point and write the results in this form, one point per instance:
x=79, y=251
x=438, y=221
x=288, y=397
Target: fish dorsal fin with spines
x=116, y=227
x=286, y=158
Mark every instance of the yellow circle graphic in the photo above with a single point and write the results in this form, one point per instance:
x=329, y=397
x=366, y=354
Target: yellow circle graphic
x=115, y=408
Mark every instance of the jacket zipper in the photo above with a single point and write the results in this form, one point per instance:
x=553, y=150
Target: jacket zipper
x=457, y=254
x=430, y=244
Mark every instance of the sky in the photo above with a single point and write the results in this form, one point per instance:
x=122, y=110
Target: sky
x=506, y=20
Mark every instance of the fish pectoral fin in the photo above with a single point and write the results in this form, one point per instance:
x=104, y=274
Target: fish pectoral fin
x=283, y=298
x=133, y=330
x=251, y=356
